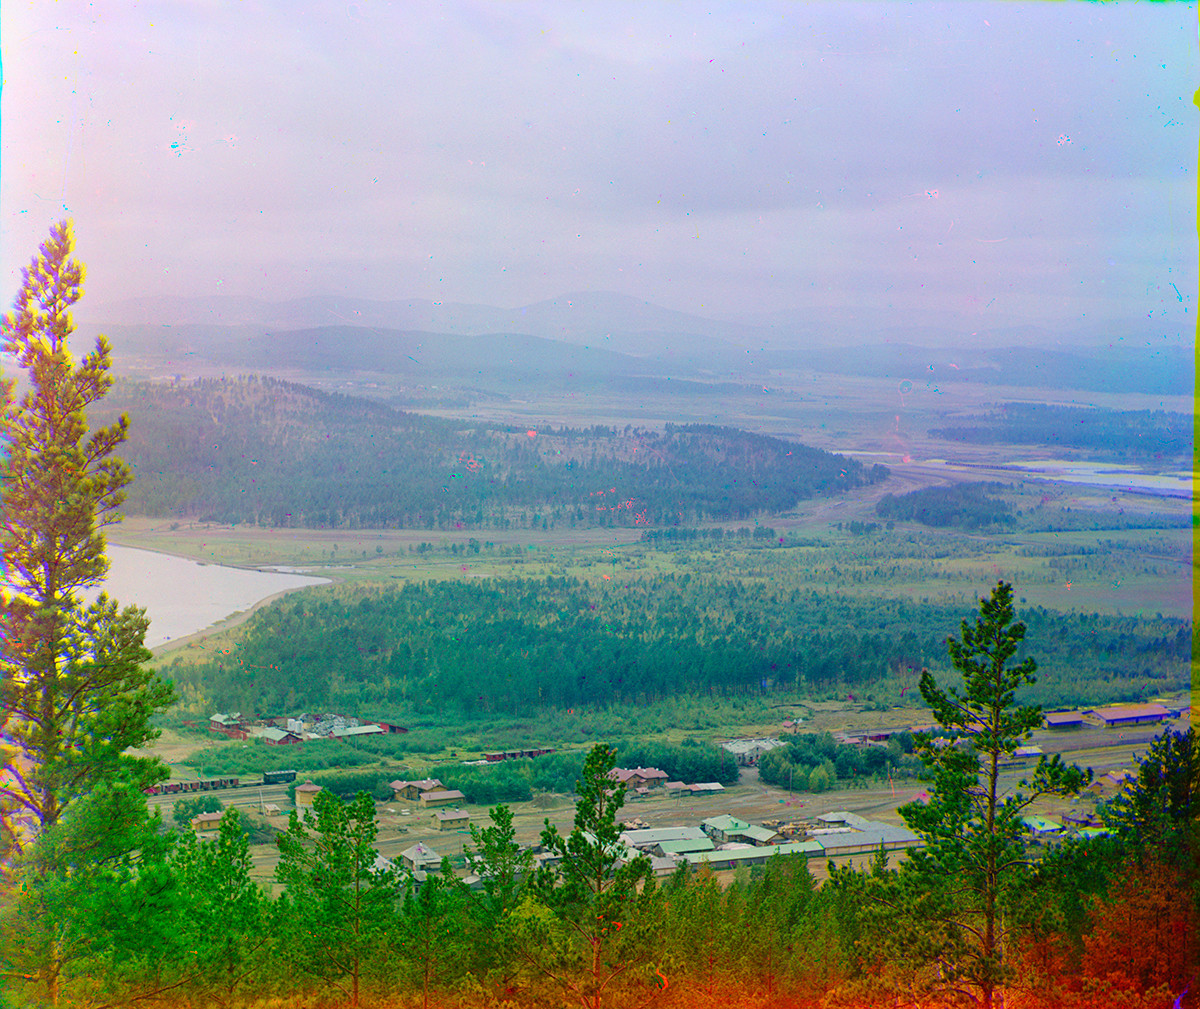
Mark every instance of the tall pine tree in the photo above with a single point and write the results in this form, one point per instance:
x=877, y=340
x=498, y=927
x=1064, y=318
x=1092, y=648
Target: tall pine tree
x=75, y=692
x=952, y=895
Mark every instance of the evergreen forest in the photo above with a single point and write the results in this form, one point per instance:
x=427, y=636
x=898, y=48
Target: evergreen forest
x=274, y=453
x=512, y=646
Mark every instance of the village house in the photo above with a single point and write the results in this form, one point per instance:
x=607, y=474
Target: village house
x=451, y=819
x=412, y=790
x=442, y=798
x=420, y=858
x=639, y=777
x=747, y=752
x=231, y=725
x=721, y=828
x=205, y=825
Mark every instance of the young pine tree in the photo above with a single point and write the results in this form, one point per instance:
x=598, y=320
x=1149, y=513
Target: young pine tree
x=591, y=926
x=339, y=908
x=952, y=894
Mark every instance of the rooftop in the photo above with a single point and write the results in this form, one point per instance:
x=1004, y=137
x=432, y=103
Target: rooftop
x=685, y=846
x=754, y=854
x=656, y=835
x=1123, y=711
x=749, y=745
x=725, y=823
x=424, y=785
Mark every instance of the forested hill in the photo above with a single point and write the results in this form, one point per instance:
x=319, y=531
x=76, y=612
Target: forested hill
x=514, y=646
x=274, y=453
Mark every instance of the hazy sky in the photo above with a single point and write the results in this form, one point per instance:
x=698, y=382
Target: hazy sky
x=979, y=162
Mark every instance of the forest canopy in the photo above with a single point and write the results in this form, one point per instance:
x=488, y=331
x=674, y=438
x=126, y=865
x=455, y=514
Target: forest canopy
x=273, y=453
x=961, y=505
x=508, y=646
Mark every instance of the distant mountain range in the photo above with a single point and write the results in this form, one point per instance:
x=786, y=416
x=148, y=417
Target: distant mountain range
x=603, y=336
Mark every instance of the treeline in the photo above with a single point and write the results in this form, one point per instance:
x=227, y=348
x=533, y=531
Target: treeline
x=1133, y=433
x=273, y=453
x=966, y=506
x=715, y=534
x=520, y=646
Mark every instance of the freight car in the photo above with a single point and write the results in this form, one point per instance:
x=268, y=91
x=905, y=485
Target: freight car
x=215, y=784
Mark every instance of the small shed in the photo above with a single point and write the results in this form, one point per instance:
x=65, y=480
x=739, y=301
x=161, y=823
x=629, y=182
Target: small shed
x=705, y=788
x=206, y=823
x=357, y=730
x=305, y=794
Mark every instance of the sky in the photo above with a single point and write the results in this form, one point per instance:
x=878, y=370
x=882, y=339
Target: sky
x=966, y=164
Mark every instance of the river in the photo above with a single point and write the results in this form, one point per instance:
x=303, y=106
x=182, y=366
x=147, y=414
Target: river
x=183, y=596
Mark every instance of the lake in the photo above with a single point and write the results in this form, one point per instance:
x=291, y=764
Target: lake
x=183, y=596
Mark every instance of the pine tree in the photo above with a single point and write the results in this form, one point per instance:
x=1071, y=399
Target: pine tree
x=952, y=894
x=76, y=694
x=505, y=872
x=433, y=932
x=340, y=904
x=597, y=930
x=222, y=919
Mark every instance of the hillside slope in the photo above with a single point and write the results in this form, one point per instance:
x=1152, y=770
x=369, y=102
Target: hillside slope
x=275, y=453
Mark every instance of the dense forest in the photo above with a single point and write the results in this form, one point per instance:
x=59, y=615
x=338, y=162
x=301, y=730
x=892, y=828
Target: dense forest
x=1120, y=433
x=273, y=453
x=517, y=646
x=967, y=506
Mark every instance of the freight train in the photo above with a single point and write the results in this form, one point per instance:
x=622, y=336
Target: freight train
x=212, y=784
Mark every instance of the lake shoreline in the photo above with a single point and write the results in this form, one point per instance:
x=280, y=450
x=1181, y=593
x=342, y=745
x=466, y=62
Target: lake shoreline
x=185, y=597
x=235, y=619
